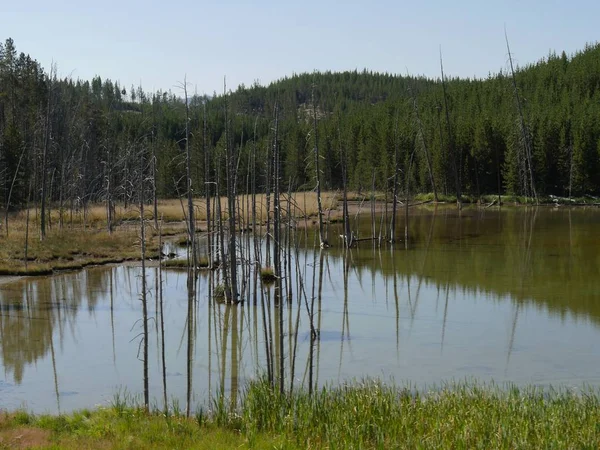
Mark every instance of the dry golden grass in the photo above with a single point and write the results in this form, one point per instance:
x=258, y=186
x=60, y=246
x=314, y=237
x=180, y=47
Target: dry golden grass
x=66, y=249
x=174, y=210
x=83, y=239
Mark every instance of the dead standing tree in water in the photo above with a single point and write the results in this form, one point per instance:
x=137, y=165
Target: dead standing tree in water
x=46, y=149
x=455, y=163
x=276, y=210
x=188, y=174
x=324, y=243
x=207, y=183
x=424, y=142
x=395, y=187
x=144, y=288
x=277, y=246
x=231, y=170
x=528, y=160
x=348, y=235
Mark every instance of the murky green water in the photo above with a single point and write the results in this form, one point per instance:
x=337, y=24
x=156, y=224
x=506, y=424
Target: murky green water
x=504, y=296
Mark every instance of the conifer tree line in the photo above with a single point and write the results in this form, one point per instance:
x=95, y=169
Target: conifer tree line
x=68, y=142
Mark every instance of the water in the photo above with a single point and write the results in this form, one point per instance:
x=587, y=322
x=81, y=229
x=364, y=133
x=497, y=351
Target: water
x=510, y=296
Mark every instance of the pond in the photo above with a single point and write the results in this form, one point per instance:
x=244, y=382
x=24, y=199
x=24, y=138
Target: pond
x=510, y=295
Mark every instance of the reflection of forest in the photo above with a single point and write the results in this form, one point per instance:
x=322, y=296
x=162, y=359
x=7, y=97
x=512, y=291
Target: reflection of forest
x=36, y=313
x=547, y=256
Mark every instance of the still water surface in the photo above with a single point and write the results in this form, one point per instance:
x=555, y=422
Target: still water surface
x=504, y=296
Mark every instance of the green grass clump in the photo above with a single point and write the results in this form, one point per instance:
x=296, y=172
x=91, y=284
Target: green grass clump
x=373, y=415
x=367, y=414
x=176, y=263
x=202, y=263
x=267, y=275
x=219, y=292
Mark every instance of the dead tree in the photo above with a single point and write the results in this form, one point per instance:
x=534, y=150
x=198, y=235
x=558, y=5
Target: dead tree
x=424, y=142
x=10, y=191
x=323, y=241
x=231, y=190
x=524, y=133
x=348, y=236
x=162, y=320
x=144, y=299
x=395, y=187
x=207, y=186
x=276, y=209
x=188, y=173
x=45, y=160
x=455, y=163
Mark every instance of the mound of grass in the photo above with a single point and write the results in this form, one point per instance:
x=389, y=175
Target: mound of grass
x=176, y=263
x=267, y=275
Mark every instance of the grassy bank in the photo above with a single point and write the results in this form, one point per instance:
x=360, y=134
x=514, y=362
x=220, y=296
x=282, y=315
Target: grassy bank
x=68, y=249
x=362, y=415
x=82, y=239
x=172, y=210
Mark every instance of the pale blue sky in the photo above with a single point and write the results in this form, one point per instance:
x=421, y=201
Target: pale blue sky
x=157, y=43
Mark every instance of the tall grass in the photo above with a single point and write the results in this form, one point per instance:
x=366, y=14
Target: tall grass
x=367, y=414
x=371, y=414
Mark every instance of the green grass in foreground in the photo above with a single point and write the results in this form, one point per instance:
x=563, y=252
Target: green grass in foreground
x=362, y=415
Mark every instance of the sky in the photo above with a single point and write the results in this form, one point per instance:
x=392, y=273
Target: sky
x=157, y=44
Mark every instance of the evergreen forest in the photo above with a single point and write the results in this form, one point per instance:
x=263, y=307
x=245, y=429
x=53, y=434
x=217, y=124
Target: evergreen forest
x=70, y=141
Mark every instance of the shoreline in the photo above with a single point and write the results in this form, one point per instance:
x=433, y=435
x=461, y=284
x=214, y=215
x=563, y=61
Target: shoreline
x=366, y=414
x=177, y=228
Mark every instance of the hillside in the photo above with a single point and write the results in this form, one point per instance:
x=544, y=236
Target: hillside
x=76, y=140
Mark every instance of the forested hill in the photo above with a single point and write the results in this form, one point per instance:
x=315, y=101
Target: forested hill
x=79, y=140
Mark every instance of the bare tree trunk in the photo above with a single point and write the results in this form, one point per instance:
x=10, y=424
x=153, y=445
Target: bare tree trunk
x=60, y=196
x=407, y=193
x=191, y=291
x=231, y=182
x=348, y=237
x=498, y=176
x=373, y=226
x=425, y=147
x=277, y=248
x=154, y=198
x=455, y=164
x=144, y=299
x=570, y=171
x=268, y=201
x=45, y=163
x=207, y=188
x=188, y=174
x=27, y=226
x=395, y=189
x=253, y=206
x=276, y=210
x=323, y=241
x=162, y=320
x=526, y=141
x=12, y=185
x=109, y=200
x=221, y=235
